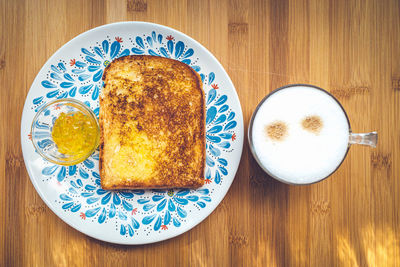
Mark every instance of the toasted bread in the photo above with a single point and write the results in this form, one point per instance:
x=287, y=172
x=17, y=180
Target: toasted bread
x=152, y=124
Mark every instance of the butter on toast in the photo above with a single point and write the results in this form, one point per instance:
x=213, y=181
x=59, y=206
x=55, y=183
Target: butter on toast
x=152, y=124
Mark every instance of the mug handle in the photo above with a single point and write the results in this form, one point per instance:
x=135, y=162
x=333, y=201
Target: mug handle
x=368, y=139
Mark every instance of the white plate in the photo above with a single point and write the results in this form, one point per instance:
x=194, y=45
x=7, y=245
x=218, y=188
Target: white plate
x=137, y=216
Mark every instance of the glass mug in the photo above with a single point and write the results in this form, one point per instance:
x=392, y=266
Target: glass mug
x=278, y=158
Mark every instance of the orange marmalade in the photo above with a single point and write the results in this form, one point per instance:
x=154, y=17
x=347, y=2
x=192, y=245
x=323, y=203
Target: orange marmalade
x=75, y=134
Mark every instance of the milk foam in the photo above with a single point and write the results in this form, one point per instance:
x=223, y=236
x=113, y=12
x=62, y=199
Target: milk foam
x=302, y=156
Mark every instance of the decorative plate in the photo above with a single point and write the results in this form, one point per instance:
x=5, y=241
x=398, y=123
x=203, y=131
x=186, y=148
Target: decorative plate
x=135, y=216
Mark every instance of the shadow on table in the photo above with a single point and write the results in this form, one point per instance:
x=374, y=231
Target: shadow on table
x=268, y=201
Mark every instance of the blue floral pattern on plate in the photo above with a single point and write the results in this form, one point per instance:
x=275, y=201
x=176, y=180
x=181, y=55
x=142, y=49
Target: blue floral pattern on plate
x=134, y=210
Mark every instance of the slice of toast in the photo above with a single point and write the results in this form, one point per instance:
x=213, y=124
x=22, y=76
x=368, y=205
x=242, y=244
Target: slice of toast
x=152, y=124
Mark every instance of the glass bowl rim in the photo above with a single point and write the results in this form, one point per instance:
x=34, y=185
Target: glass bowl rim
x=81, y=106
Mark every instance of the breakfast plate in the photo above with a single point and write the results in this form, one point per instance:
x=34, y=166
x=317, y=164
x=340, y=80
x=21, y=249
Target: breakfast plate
x=74, y=192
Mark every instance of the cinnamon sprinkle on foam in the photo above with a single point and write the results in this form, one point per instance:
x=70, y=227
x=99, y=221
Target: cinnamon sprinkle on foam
x=312, y=123
x=276, y=130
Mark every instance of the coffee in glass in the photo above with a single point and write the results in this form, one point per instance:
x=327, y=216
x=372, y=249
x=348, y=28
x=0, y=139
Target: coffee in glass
x=300, y=134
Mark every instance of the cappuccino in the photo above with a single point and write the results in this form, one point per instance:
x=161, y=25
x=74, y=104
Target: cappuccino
x=300, y=134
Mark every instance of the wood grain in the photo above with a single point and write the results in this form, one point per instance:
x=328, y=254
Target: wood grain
x=351, y=48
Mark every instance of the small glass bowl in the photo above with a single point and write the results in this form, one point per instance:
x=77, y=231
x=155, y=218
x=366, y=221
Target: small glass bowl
x=42, y=126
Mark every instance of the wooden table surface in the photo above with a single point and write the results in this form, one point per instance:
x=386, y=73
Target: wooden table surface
x=350, y=48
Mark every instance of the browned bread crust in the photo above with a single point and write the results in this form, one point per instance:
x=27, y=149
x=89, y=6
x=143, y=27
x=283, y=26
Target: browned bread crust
x=152, y=124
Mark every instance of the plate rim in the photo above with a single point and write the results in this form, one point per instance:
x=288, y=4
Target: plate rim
x=218, y=197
